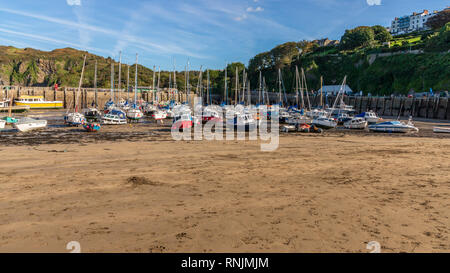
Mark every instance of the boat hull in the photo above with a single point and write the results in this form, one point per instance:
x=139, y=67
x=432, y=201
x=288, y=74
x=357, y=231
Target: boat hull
x=92, y=127
x=325, y=124
x=445, y=130
x=388, y=129
x=15, y=109
x=42, y=105
x=26, y=127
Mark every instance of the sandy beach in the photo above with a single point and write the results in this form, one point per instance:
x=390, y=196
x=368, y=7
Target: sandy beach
x=144, y=192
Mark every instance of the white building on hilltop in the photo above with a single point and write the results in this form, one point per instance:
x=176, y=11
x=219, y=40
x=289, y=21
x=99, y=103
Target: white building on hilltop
x=411, y=23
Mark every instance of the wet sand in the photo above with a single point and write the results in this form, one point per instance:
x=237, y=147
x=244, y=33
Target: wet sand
x=134, y=189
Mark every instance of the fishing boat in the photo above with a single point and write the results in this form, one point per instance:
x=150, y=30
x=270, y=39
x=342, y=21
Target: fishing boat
x=371, y=117
x=114, y=117
x=393, y=127
x=38, y=102
x=442, y=129
x=27, y=124
x=356, y=123
x=92, y=126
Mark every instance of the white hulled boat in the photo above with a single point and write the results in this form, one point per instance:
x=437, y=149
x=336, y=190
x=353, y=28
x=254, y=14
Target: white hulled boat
x=27, y=124
x=394, y=127
x=356, y=123
x=442, y=129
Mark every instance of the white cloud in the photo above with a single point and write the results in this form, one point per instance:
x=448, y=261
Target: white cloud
x=257, y=9
x=240, y=18
x=73, y=2
x=373, y=2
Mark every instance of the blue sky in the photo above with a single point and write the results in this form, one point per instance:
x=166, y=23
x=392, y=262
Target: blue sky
x=205, y=32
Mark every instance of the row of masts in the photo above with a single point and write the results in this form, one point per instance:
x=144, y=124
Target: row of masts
x=242, y=94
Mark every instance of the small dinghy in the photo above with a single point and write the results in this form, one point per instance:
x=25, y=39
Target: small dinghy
x=10, y=120
x=442, y=129
x=393, y=127
x=28, y=124
x=74, y=119
x=356, y=123
x=92, y=126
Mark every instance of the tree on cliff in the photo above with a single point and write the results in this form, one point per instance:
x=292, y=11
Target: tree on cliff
x=357, y=37
x=440, y=42
x=381, y=34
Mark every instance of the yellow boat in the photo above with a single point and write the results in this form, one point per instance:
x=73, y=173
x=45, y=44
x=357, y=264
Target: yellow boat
x=38, y=102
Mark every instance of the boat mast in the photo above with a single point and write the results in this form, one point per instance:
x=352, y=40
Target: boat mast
x=249, y=97
x=120, y=75
x=135, y=81
x=128, y=83
x=306, y=89
x=321, y=90
x=158, y=94
x=279, y=86
x=236, y=89
x=225, y=88
x=79, y=84
x=259, y=88
x=95, y=83
x=244, y=82
x=188, y=84
x=175, y=89
x=337, y=97
x=296, y=85
x=112, y=80
x=153, y=84
x=207, y=87
x=265, y=91
x=301, y=89
x=263, y=96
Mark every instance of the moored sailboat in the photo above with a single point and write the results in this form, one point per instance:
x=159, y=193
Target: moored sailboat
x=75, y=118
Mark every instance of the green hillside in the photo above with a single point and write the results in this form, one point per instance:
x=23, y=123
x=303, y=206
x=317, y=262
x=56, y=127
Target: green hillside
x=374, y=61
